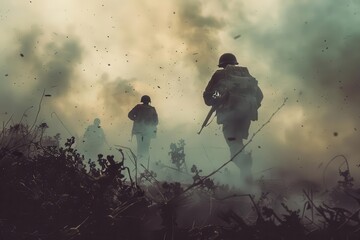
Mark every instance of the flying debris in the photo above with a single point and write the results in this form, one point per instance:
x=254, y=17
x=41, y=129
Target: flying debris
x=237, y=36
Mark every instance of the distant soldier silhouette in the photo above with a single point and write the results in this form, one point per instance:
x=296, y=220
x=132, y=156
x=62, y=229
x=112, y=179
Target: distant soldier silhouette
x=94, y=140
x=236, y=97
x=145, y=126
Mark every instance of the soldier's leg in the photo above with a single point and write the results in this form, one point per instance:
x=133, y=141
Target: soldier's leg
x=140, y=146
x=235, y=146
x=245, y=165
x=146, y=142
x=143, y=142
x=231, y=137
x=234, y=134
x=245, y=162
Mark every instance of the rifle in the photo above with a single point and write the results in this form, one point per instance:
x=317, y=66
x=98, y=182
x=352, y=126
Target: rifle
x=208, y=116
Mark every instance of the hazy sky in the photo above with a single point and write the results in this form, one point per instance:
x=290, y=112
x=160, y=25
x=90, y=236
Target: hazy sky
x=97, y=58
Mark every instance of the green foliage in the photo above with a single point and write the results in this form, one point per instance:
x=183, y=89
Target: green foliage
x=47, y=192
x=177, y=154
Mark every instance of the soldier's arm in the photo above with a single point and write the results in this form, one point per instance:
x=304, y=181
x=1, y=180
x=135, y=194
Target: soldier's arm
x=211, y=87
x=133, y=113
x=86, y=134
x=155, y=117
x=259, y=96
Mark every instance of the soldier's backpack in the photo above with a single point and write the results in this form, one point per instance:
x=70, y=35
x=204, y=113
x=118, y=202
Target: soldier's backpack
x=241, y=88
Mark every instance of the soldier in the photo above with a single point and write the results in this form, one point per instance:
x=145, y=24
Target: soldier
x=236, y=97
x=94, y=140
x=145, y=121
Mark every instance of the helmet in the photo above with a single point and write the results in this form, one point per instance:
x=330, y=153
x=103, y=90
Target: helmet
x=145, y=99
x=97, y=121
x=227, y=58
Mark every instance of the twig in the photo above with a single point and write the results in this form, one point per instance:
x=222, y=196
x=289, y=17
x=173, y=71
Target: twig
x=316, y=208
x=121, y=210
x=330, y=161
x=4, y=127
x=156, y=182
x=78, y=226
x=135, y=160
x=38, y=112
x=348, y=219
x=29, y=131
x=22, y=117
x=307, y=204
x=62, y=123
x=8, y=121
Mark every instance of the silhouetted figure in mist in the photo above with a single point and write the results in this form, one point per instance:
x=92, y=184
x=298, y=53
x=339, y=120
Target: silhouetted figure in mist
x=145, y=121
x=236, y=97
x=94, y=140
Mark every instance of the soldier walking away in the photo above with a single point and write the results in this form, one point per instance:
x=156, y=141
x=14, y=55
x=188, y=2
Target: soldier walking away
x=145, y=126
x=94, y=140
x=236, y=97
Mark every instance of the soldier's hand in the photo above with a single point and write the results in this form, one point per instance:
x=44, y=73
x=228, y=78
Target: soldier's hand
x=221, y=98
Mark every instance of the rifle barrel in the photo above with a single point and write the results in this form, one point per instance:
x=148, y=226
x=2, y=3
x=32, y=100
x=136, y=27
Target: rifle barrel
x=208, y=116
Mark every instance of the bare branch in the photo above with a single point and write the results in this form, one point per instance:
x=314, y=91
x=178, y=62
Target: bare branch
x=38, y=112
x=328, y=164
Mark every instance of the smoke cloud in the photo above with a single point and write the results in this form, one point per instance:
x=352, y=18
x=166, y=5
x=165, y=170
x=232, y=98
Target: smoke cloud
x=98, y=60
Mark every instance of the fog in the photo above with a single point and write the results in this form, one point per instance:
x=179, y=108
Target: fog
x=97, y=59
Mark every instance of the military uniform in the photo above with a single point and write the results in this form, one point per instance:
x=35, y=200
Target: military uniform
x=94, y=140
x=237, y=97
x=144, y=128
